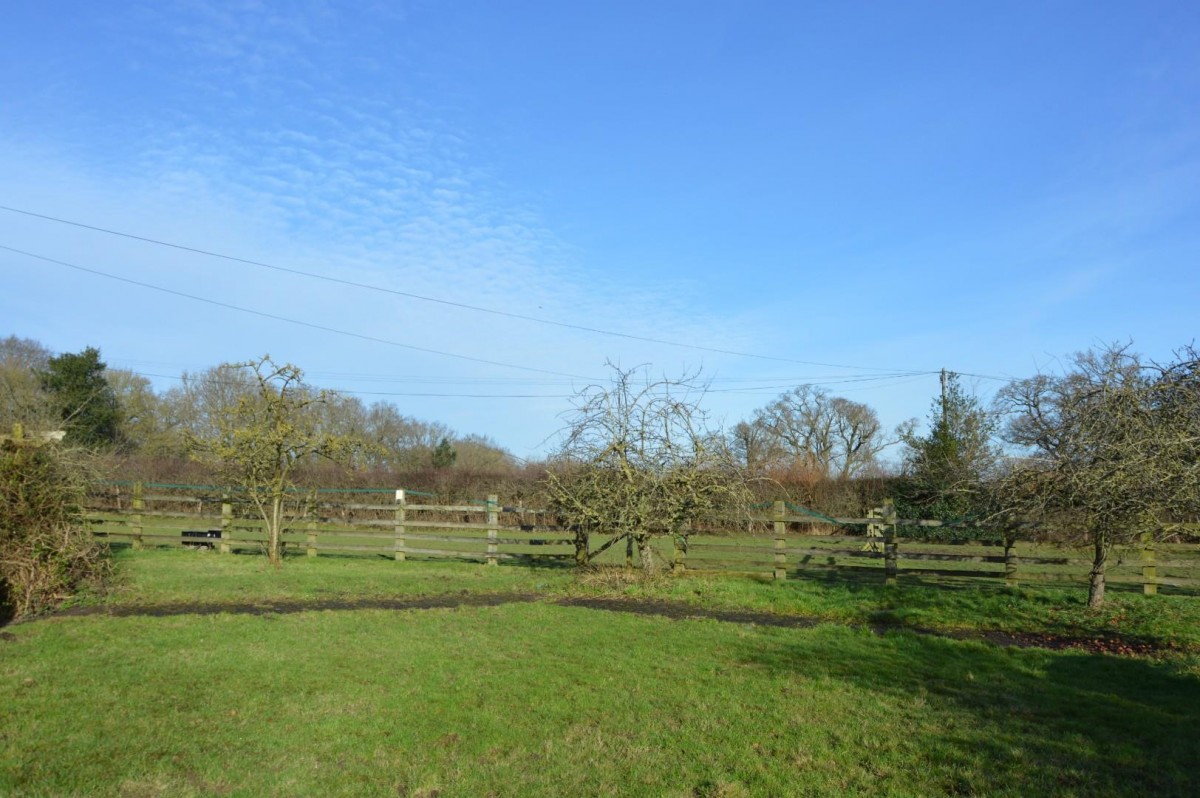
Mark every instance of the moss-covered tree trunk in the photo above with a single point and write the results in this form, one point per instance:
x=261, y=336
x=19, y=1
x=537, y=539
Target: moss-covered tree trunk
x=581, y=548
x=1100, y=547
x=275, y=530
x=645, y=546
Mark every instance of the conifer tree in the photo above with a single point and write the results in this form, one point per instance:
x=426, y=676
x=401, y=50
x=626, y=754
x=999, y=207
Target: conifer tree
x=84, y=399
x=946, y=468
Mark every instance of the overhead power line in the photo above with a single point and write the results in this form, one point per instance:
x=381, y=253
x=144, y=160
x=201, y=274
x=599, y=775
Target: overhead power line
x=748, y=382
x=298, y=322
x=446, y=302
x=378, y=393
x=883, y=381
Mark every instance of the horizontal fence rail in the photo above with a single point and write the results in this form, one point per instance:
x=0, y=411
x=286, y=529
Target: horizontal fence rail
x=486, y=532
x=767, y=543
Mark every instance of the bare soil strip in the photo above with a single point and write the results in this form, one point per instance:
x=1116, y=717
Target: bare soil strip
x=652, y=607
x=445, y=601
x=679, y=611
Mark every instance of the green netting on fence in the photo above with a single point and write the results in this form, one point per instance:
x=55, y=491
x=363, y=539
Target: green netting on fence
x=805, y=511
x=178, y=486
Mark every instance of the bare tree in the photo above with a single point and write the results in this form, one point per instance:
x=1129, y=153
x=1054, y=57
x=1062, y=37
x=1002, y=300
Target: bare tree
x=22, y=398
x=260, y=439
x=1112, y=450
x=400, y=441
x=202, y=399
x=143, y=423
x=638, y=463
x=755, y=446
x=835, y=436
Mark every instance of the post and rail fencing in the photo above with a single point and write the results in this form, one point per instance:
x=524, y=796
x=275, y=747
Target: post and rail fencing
x=156, y=515
x=778, y=542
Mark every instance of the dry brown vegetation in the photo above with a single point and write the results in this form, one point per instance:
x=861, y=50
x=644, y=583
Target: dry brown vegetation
x=46, y=553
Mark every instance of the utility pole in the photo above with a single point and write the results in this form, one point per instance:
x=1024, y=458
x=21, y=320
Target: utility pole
x=945, y=412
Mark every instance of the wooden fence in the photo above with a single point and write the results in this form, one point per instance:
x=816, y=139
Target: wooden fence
x=483, y=531
x=778, y=543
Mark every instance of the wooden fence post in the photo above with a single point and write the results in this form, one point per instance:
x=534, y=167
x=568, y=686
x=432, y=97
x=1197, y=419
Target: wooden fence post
x=139, y=505
x=1149, y=570
x=310, y=526
x=874, y=532
x=891, y=546
x=493, y=520
x=401, y=507
x=679, y=564
x=226, y=524
x=889, y=556
x=1010, y=562
x=780, y=540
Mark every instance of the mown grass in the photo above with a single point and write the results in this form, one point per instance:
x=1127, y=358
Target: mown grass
x=539, y=699
x=172, y=576
x=1172, y=621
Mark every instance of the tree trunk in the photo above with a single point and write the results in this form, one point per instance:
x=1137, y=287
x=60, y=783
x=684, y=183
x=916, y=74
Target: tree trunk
x=274, y=553
x=645, y=544
x=1100, y=545
x=581, y=549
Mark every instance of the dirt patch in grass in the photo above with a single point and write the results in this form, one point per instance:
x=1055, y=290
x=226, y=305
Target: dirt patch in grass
x=675, y=610
x=678, y=610
x=315, y=605
x=1108, y=644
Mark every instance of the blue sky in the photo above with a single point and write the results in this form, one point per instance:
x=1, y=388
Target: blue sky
x=887, y=187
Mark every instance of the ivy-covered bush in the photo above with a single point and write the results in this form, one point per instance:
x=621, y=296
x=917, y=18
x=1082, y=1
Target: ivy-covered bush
x=46, y=554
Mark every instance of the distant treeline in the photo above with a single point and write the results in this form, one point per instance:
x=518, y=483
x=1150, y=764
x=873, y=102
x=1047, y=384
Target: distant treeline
x=145, y=433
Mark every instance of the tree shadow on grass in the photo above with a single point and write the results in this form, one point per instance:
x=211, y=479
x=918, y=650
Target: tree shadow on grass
x=914, y=590
x=873, y=580
x=1015, y=722
x=824, y=574
x=867, y=578
x=864, y=592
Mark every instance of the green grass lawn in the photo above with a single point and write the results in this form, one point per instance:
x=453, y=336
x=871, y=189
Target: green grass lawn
x=170, y=576
x=173, y=576
x=1169, y=621
x=531, y=699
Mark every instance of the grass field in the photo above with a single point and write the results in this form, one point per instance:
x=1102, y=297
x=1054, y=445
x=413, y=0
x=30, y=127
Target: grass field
x=537, y=698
